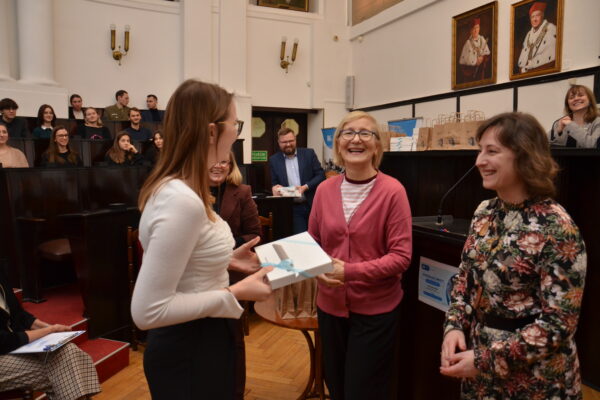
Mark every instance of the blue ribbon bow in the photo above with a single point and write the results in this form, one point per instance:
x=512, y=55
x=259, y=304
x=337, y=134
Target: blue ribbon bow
x=287, y=265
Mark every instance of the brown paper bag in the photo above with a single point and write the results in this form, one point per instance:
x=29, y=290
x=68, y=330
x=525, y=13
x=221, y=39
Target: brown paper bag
x=306, y=298
x=297, y=300
x=463, y=136
x=438, y=133
x=284, y=302
x=424, y=140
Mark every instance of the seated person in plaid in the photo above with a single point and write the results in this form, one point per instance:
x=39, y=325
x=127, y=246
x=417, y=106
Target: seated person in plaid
x=64, y=374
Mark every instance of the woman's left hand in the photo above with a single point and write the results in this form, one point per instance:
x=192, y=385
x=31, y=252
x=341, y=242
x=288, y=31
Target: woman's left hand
x=338, y=270
x=462, y=365
x=244, y=259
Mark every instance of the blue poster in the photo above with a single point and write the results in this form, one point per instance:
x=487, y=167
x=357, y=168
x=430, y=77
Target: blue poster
x=435, y=283
x=328, y=136
x=405, y=126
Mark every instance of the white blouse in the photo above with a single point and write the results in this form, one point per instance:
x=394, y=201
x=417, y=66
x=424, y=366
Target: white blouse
x=184, y=268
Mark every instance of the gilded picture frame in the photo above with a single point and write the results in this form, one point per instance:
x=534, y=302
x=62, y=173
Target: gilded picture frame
x=474, y=47
x=296, y=5
x=536, y=30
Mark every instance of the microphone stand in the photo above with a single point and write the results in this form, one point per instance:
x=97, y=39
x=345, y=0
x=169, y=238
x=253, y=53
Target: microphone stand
x=440, y=220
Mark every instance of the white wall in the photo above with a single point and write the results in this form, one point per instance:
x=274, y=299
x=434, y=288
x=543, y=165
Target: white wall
x=83, y=61
x=411, y=56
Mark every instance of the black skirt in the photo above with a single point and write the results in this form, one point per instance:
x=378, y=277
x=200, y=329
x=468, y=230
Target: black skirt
x=192, y=360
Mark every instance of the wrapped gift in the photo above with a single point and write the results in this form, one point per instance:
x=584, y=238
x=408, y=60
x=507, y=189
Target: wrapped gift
x=289, y=191
x=295, y=259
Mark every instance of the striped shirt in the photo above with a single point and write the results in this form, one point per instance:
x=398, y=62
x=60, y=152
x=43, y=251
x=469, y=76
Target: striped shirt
x=354, y=193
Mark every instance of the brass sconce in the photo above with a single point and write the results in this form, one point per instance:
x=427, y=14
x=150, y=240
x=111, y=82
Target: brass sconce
x=285, y=61
x=118, y=54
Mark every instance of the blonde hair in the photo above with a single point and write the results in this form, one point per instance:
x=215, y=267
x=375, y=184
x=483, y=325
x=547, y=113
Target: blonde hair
x=235, y=176
x=192, y=108
x=353, y=116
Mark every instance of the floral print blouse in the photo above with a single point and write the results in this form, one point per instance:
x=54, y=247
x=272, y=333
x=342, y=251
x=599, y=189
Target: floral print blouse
x=521, y=261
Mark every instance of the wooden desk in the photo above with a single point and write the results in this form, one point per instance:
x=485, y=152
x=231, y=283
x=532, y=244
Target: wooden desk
x=315, y=387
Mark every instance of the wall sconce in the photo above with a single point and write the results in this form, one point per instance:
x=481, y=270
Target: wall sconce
x=285, y=61
x=118, y=54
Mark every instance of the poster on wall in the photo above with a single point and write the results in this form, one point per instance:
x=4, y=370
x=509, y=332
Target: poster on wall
x=330, y=167
x=435, y=283
x=474, y=47
x=535, y=38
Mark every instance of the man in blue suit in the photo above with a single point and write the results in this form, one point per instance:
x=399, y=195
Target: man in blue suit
x=299, y=168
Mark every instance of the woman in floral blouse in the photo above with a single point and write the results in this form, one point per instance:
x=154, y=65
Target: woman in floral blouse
x=518, y=293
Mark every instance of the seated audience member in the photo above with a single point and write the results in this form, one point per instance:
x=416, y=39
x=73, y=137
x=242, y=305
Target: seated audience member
x=45, y=122
x=65, y=373
x=122, y=152
x=9, y=156
x=153, y=153
x=59, y=154
x=76, y=111
x=582, y=120
x=17, y=127
x=136, y=131
x=152, y=114
x=118, y=111
x=92, y=127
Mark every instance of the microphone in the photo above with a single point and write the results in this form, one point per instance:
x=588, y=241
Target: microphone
x=440, y=220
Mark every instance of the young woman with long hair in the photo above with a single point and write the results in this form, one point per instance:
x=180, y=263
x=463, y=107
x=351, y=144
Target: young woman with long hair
x=59, y=154
x=123, y=152
x=182, y=294
x=46, y=119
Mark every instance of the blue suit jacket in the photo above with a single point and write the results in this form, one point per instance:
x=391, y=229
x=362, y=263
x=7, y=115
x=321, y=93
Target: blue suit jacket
x=311, y=172
x=147, y=116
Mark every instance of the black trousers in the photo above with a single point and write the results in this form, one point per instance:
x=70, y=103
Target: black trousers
x=359, y=354
x=192, y=360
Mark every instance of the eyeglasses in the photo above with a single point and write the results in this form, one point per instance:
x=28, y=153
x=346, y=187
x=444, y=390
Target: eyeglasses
x=365, y=135
x=63, y=135
x=222, y=164
x=238, y=124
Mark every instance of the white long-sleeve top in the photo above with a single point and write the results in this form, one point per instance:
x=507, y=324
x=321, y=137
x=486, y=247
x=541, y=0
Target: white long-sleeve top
x=184, y=268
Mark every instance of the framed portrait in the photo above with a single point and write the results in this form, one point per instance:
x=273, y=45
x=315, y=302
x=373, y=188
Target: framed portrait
x=474, y=47
x=535, y=37
x=297, y=5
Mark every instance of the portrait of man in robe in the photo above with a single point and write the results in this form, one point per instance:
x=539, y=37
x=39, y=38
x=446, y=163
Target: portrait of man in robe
x=536, y=38
x=474, y=47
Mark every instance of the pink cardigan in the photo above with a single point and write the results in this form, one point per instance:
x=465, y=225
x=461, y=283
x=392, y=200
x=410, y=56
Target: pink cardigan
x=376, y=246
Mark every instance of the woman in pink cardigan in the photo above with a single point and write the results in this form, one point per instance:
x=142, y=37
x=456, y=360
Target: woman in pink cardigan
x=362, y=220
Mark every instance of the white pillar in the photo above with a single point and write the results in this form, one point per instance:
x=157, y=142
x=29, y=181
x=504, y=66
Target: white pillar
x=232, y=45
x=5, y=11
x=197, y=22
x=36, y=41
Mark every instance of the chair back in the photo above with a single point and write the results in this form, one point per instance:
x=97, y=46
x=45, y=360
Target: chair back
x=266, y=228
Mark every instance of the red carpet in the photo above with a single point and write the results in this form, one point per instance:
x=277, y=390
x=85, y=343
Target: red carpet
x=64, y=306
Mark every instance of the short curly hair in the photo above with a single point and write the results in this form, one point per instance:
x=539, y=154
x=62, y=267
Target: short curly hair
x=524, y=135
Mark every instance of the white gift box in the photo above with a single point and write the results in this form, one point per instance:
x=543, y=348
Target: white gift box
x=295, y=258
x=289, y=191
